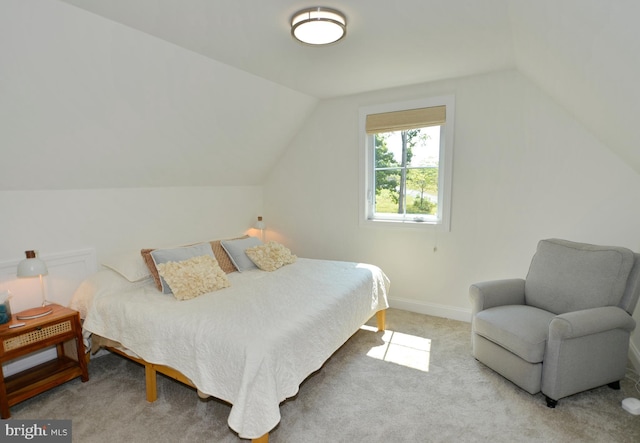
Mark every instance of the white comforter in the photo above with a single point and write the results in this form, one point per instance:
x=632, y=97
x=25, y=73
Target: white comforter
x=251, y=344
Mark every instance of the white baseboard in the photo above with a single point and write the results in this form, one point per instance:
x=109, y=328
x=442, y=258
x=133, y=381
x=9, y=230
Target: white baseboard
x=436, y=310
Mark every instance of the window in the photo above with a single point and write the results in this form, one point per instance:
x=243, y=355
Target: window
x=407, y=163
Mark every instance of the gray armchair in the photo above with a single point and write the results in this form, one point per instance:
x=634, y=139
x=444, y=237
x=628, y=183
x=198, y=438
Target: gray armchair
x=566, y=327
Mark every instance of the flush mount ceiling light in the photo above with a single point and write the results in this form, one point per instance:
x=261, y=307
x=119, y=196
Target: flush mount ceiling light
x=318, y=26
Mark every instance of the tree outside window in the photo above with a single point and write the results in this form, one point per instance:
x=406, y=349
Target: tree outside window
x=406, y=172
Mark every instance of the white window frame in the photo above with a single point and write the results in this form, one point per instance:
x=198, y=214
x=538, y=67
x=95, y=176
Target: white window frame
x=445, y=166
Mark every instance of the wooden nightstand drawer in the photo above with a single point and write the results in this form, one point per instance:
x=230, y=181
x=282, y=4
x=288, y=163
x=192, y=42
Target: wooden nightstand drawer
x=37, y=335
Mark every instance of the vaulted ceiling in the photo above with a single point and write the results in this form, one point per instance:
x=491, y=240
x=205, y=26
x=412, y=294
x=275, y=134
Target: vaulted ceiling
x=585, y=55
x=388, y=43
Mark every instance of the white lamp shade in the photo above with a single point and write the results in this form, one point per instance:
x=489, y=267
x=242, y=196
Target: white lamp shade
x=259, y=224
x=32, y=266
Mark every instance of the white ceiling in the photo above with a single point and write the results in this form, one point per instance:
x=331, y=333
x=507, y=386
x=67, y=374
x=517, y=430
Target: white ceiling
x=388, y=43
x=120, y=85
x=586, y=55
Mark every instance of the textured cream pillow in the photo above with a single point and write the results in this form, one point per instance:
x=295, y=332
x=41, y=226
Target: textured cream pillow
x=193, y=277
x=270, y=256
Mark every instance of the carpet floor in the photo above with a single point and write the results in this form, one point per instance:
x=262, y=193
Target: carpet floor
x=417, y=382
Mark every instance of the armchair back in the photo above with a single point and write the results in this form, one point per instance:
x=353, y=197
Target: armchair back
x=632, y=292
x=565, y=276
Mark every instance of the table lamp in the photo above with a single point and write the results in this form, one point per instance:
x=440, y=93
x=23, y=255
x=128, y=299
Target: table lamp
x=32, y=266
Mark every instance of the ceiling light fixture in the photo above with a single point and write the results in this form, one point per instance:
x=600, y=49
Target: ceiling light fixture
x=318, y=26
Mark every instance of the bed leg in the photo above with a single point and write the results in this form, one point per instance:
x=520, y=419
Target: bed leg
x=381, y=319
x=263, y=439
x=150, y=378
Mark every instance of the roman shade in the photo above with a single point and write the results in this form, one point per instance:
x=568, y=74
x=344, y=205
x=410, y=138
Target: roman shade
x=407, y=119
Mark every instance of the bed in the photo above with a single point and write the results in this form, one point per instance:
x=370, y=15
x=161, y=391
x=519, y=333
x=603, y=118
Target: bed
x=251, y=343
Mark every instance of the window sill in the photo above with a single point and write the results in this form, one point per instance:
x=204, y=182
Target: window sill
x=403, y=224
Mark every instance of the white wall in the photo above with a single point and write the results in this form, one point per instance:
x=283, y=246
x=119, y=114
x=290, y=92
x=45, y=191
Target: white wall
x=523, y=170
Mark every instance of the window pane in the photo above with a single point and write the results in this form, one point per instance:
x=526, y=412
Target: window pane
x=424, y=146
x=387, y=153
x=422, y=191
x=415, y=151
x=387, y=201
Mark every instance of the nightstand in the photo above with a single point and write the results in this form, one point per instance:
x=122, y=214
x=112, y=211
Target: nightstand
x=61, y=329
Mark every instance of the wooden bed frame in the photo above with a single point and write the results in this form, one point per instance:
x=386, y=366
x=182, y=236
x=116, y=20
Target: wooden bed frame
x=151, y=369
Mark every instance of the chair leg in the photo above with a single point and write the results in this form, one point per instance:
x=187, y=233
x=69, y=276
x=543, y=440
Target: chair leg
x=615, y=385
x=551, y=403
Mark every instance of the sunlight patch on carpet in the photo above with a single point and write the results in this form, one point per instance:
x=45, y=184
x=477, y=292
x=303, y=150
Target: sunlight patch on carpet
x=402, y=349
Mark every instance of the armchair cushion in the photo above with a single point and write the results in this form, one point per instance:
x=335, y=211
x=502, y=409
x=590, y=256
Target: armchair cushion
x=522, y=330
x=565, y=276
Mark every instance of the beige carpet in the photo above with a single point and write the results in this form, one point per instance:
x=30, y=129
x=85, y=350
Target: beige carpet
x=428, y=388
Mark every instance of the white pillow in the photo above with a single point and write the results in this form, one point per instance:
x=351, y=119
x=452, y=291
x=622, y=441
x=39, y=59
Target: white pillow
x=130, y=265
x=236, y=248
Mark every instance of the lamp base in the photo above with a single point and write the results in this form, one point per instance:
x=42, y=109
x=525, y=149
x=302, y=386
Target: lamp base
x=34, y=313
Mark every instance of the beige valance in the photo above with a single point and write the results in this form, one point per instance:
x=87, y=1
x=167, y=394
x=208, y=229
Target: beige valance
x=407, y=119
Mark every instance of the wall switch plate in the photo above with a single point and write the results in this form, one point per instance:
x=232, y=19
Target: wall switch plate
x=631, y=405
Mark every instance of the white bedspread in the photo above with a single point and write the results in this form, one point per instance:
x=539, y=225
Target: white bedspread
x=251, y=344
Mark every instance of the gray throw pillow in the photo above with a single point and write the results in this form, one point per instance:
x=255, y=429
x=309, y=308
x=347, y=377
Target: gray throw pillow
x=236, y=248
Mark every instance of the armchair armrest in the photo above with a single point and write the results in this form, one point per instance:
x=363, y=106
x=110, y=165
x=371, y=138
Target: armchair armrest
x=589, y=321
x=488, y=294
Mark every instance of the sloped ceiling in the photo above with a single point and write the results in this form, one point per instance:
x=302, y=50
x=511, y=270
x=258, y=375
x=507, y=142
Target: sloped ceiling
x=586, y=55
x=223, y=83
x=388, y=43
